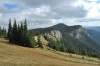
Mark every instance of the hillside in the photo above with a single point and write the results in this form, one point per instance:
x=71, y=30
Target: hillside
x=72, y=39
x=95, y=35
x=12, y=55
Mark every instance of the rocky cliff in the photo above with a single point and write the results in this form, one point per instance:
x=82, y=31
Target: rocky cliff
x=79, y=32
x=54, y=34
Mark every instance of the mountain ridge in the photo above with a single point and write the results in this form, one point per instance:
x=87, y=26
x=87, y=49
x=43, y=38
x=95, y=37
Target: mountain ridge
x=75, y=39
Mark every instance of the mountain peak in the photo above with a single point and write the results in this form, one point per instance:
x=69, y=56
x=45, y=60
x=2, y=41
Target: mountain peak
x=69, y=36
x=61, y=24
x=78, y=26
x=64, y=26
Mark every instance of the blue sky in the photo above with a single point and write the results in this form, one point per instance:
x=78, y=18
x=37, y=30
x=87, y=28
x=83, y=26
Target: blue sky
x=44, y=13
x=10, y=6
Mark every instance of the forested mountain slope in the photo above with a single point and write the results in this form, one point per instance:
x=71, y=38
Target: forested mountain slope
x=72, y=39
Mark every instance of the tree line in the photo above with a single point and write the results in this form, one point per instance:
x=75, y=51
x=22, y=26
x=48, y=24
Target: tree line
x=18, y=34
x=62, y=46
x=3, y=32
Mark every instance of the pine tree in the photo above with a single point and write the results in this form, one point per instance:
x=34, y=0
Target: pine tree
x=9, y=30
x=18, y=34
x=21, y=35
x=26, y=38
x=25, y=27
x=14, y=33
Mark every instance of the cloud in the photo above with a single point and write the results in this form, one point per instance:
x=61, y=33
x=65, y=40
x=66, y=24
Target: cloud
x=71, y=11
x=40, y=23
x=88, y=20
x=44, y=13
x=2, y=9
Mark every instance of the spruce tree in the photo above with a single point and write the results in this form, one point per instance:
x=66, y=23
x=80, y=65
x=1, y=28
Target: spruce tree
x=14, y=33
x=26, y=38
x=22, y=34
x=9, y=30
x=25, y=27
x=18, y=34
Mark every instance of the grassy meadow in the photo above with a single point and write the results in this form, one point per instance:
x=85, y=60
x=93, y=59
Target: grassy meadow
x=12, y=55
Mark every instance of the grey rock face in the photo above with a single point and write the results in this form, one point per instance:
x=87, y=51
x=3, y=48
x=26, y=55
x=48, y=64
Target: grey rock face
x=55, y=35
x=78, y=33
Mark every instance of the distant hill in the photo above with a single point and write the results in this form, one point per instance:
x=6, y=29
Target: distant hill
x=72, y=39
x=95, y=35
x=96, y=28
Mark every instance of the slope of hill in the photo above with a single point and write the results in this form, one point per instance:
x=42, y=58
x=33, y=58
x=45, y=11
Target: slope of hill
x=75, y=39
x=12, y=55
x=95, y=35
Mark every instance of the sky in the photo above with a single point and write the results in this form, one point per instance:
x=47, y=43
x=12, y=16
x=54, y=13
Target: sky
x=45, y=13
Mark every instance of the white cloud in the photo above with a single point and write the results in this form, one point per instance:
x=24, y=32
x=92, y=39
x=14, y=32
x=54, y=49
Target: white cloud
x=43, y=13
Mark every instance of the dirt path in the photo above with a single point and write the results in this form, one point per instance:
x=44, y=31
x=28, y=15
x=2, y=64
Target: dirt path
x=66, y=58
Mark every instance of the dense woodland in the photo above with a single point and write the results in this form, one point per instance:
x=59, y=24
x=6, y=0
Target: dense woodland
x=19, y=35
x=61, y=46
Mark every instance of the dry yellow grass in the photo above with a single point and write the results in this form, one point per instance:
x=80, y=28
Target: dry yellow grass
x=11, y=55
x=92, y=59
x=42, y=39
